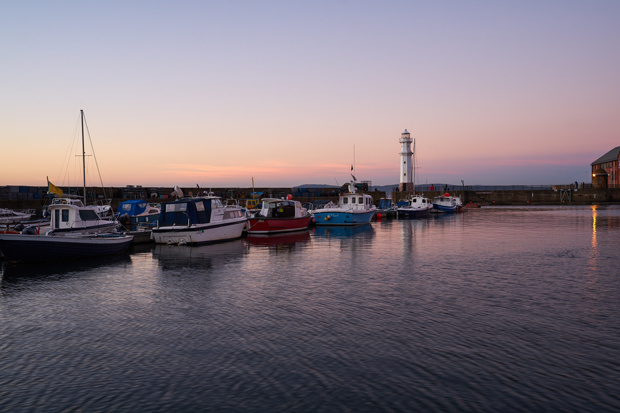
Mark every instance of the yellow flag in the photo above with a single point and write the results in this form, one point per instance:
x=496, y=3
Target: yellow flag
x=53, y=189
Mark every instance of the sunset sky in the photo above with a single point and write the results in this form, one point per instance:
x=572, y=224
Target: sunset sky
x=215, y=93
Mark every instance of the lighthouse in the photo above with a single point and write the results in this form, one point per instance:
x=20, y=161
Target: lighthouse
x=406, y=167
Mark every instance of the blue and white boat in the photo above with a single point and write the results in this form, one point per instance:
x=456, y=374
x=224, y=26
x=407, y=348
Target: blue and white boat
x=195, y=221
x=444, y=203
x=352, y=209
x=137, y=213
x=416, y=207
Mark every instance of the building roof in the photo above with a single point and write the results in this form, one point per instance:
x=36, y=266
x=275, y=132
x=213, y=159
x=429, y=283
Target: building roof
x=609, y=156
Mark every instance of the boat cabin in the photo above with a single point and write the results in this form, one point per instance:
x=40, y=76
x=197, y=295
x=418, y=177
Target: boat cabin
x=191, y=211
x=418, y=202
x=72, y=215
x=355, y=201
x=136, y=207
x=281, y=208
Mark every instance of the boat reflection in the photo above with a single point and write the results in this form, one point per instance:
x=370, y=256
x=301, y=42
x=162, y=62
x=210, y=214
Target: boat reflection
x=171, y=256
x=11, y=274
x=279, y=239
x=279, y=242
x=365, y=231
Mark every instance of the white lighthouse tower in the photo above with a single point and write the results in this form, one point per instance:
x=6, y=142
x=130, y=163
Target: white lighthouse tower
x=406, y=167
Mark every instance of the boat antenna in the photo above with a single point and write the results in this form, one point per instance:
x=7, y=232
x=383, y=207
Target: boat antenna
x=337, y=184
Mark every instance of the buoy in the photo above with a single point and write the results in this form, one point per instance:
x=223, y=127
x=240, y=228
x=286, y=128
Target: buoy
x=289, y=197
x=378, y=216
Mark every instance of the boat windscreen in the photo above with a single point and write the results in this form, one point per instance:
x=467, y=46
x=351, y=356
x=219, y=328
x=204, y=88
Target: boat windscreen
x=88, y=215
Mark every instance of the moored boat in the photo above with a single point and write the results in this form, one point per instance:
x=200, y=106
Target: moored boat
x=138, y=213
x=279, y=215
x=416, y=207
x=444, y=203
x=25, y=248
x=9, y=216
x=352, y=209
x=201, y=220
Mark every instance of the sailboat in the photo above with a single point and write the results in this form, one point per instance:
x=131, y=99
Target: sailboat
x=77, y=231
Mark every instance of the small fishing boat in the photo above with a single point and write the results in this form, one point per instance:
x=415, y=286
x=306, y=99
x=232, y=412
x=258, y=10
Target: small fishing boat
x=26, y=248
x=352, y=209
x=445, y=203
x=386, y=208
x=279, y=215
x=137, y=213
x=416, y=207
x=201, y=220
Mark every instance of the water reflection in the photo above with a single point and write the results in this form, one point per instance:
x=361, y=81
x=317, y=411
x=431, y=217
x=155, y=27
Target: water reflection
x=365, y=231
x=14, y=274
x=279, y=242
x=204, y=256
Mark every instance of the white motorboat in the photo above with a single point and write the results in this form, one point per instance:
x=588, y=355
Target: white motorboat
x=201, y=220
x=9, y=216
x=417, y=206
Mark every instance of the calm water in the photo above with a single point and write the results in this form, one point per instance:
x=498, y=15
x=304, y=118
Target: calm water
x=509, y=309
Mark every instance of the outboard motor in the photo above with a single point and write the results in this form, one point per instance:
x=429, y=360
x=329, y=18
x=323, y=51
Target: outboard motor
x=19, y=227
x=125, y=221
x=30, y=231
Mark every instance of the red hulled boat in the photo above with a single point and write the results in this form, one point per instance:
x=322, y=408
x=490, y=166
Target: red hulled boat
x=278, y=215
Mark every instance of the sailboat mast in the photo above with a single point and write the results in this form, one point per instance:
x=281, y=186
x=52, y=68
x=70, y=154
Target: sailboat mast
x=83, y=155
x=414, y=166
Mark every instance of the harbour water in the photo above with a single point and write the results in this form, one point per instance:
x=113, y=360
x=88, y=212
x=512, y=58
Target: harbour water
x=498, y=309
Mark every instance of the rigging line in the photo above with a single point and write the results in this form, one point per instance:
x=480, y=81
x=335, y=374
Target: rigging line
x=67, y=158
x=95, y=157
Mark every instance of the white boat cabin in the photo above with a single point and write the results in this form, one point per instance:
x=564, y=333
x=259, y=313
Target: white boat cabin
x=281, y=208
x=353, y=201
x=71, y=215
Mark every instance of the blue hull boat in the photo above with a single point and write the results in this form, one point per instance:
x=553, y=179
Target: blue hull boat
x=352, y=209
x=336, y=217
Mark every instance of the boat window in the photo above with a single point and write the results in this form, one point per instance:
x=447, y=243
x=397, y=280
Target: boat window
x=353, y=199
x=361, y=200
x=65, y=215
x=216, y=203
x=126, y=207
x=345, y=200
x=176, y=207
x=86, y=215
x=57, y=219
x=203, y=210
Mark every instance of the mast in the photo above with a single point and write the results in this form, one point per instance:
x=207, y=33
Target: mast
x=83, y=155
x=413, y=166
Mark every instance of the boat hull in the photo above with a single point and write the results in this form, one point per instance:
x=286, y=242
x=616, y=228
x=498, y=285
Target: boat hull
x=443, y=209
x=343, y=217
x=199, y=234
x=262, y=225
x=22, y=248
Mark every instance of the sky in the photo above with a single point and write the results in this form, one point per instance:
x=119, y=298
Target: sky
x=295, y=92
